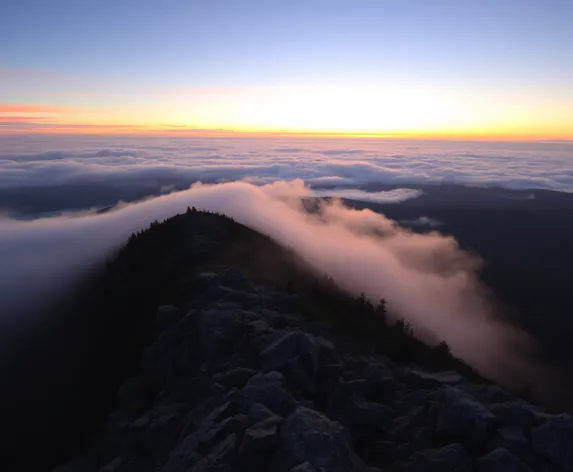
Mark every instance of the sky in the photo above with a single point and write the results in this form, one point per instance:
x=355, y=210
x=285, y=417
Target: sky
x=414, y=68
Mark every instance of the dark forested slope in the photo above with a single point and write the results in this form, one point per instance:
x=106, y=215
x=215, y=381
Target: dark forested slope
x=205, y=296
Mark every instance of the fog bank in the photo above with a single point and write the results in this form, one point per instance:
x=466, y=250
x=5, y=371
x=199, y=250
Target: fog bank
x=426, y=279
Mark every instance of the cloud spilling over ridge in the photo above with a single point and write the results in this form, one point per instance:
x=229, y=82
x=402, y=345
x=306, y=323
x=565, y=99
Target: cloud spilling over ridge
x=426, y=279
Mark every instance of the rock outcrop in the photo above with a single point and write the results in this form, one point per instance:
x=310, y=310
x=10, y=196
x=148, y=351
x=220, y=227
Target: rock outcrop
x=237, y=381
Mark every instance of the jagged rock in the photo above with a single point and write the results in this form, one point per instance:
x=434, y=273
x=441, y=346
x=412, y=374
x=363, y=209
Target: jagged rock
x=379, y=376
x=217, y=329
x=554, y=441
x=327, y=378
x=167, y=315
x=300, y=377
x=236, y=377
x=421, y=379
x=511, y=438
x=259, y=412
x=309, y=348
x=514, y=413
x=183, y=457
x=218, y=431
x=339, y=398
x=216, y=390
x=282, y=348
x=236, y=279
x=259, y=327
x=115, y=465
x=360, y=387
x=222, y=458
x=257, y=443
x=198, y=404
x=307, y=435
x=371, y=414
x=223, y=411
x=501, y=460
x=304, y=467
x=331, y=370
x=452, y=458
x=384, y=452
x=413, y=420
x=460, y=416
x=130, y=391
x=270, y=390
x=488, y=393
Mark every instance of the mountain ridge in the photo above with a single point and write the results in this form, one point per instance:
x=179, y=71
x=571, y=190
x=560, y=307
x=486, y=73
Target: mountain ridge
x=208, y=311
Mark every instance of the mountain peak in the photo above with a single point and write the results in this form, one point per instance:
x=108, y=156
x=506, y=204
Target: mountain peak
x=279, y=370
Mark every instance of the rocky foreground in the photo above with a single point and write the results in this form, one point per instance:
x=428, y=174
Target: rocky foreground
x=237, y=380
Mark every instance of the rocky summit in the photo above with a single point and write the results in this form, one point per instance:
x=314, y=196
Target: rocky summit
x=236, y=376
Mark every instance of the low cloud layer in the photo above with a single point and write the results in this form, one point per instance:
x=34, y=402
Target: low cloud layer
x=28, y=161
x=426, y=279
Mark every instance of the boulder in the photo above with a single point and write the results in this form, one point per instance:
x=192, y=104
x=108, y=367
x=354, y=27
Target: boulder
x=236, y=377
x=235, y=279
x=327, y=378
x=514, y=414
x=183, y=457
x=218, y=328
x=420, y=379
x=309, y=348
x=371, y=414
x=282, y=347
x=259, y=412
x=309, y=436
x=460, y=416
x=270, y=390
x=554, y=441
x=360, y=387
x=115, y=465
x=304, y=467
x=383, y=452
x=380, y=378
x=299, y=376
x=500, y=460
x=452, y=458
x=219, y=431
x=511, y=438
x=219, y=413
x=258, y=442
x=216, y=390
x=167, y=315
x=222, y=458
x=409, y=422
x=488, y=393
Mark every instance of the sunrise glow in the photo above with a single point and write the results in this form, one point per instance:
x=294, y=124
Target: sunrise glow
x=484, y=71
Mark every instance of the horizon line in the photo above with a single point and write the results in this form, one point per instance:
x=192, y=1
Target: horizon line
x=181, y=131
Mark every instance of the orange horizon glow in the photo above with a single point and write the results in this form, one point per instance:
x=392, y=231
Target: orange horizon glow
x=381, y=111
x=94, y=129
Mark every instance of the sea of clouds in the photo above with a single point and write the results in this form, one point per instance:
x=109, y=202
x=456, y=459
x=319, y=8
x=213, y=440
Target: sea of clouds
x=173, y=162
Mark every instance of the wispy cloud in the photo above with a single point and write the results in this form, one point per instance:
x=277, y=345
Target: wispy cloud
x=16, y=119
x=36, y=109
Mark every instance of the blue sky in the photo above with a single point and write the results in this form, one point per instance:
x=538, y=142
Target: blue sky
x=148, y=46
